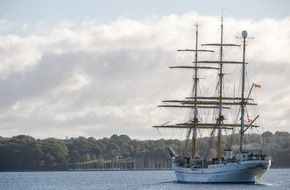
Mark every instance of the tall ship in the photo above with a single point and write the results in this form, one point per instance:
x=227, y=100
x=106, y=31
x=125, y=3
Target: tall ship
x=232, y=161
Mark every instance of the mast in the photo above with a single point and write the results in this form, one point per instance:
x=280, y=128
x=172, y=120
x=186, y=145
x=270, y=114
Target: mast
x=195, y=119
x=220, y=118
x=219, y=102
x=193, y=123
x=244, y=35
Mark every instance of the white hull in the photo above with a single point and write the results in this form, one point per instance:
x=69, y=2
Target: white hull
x=250, y=171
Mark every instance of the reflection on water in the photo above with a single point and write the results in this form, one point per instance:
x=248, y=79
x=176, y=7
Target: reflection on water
x=147, y=180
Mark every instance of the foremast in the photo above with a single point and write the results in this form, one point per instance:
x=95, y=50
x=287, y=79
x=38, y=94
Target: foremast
x=192, y=125
x=194, y=91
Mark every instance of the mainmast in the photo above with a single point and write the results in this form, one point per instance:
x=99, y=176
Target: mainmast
x=220, y=118
x=195, y=119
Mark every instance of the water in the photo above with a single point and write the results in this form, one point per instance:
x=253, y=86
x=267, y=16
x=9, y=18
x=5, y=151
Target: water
x=147, y=180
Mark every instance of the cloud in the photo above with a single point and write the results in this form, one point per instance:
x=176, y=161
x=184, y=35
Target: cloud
x=98, y=79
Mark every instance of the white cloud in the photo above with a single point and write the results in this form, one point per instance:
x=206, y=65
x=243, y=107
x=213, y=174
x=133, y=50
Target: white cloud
x=98, y=79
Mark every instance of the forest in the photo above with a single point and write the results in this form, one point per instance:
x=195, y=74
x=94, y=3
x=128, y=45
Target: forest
x=25, y=153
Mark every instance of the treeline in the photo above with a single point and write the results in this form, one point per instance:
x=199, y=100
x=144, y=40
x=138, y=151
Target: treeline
x=25, y=153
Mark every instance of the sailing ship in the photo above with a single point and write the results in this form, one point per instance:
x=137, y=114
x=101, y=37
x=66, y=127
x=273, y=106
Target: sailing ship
x=241, y=166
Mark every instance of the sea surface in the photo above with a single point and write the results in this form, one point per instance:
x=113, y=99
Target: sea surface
x=148, y=180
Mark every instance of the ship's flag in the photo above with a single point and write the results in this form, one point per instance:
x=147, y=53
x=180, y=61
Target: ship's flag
x=257, y=86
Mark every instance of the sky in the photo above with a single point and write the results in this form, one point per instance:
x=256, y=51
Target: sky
x=97, y=68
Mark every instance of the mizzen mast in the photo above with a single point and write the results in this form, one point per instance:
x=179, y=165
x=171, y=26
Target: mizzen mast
x=244, y=35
